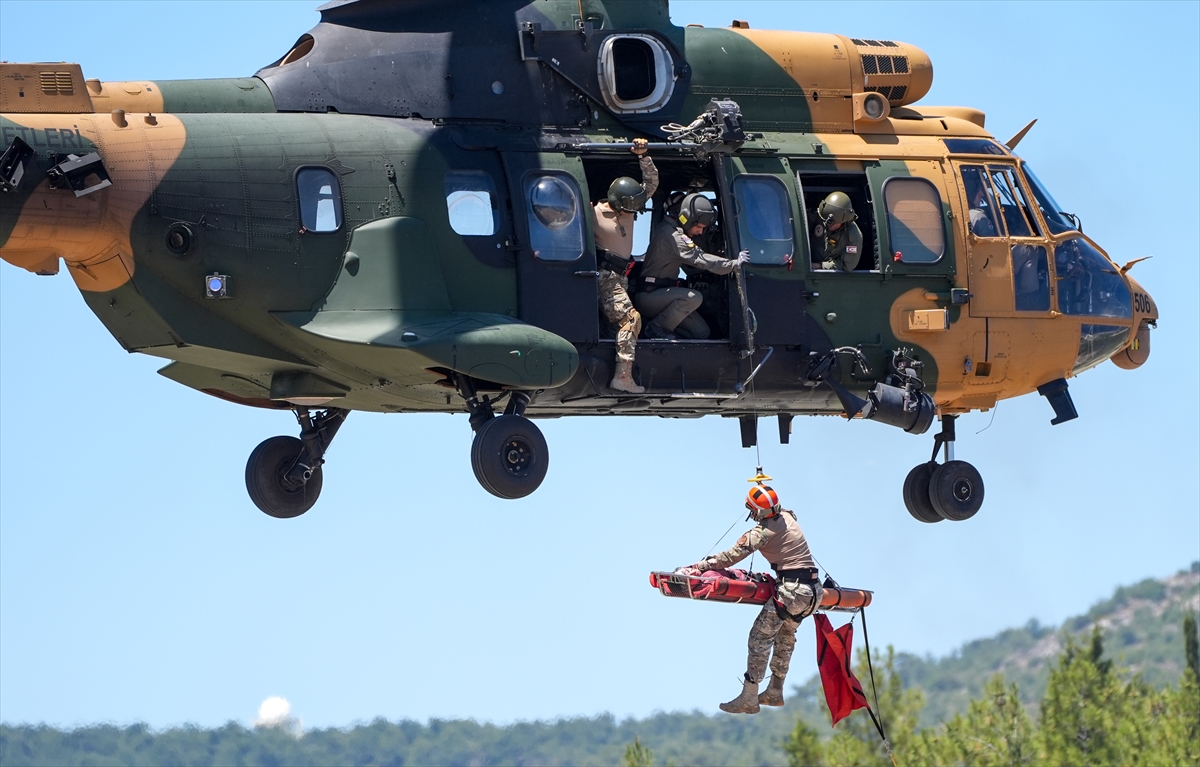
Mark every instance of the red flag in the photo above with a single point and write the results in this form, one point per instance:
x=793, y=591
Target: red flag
x=843, y=693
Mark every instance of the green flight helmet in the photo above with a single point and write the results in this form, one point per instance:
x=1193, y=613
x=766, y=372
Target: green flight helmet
x=836, y=208
x=626, y=194
x=697, y=209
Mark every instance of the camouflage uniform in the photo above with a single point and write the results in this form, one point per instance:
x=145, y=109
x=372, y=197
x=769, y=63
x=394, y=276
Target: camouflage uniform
x=778, y=537
x=618, y=310
x=838, y=250
x=614, y=233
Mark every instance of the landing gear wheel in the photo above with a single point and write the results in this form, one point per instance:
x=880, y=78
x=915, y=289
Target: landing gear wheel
x=510, y=456
x=268, y=484
x=956, y=490
x=916, y=493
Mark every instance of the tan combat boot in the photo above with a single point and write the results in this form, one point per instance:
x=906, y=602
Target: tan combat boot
x=746, y=703
x=623, y=379
x=773, y=695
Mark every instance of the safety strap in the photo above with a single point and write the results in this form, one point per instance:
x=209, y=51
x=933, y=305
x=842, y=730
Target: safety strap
x=871, y=670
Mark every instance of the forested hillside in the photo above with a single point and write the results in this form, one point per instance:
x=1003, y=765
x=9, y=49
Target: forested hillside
x=1140, y=637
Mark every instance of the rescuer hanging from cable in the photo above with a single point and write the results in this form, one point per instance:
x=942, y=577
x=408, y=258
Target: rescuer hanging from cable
x=779, y=537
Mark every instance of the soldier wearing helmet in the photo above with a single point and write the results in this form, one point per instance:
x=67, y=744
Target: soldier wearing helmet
x=779, y=537
x=837, y=240
x=671, y=308
x=613, y=224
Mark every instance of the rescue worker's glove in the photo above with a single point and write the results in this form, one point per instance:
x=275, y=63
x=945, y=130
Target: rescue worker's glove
x=743, y=257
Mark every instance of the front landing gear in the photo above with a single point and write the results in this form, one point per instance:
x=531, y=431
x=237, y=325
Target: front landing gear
x=952, y=490
x=509, y=454
x=283, y=475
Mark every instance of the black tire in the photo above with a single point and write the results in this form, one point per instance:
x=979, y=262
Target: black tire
x=956, y=490
x=916, y=494
x=265, y=472
x=510, y=456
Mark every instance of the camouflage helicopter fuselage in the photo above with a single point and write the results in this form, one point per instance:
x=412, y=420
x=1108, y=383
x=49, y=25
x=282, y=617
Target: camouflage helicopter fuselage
x=319, y=195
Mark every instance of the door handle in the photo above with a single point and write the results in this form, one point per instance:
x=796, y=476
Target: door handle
x=587, y=274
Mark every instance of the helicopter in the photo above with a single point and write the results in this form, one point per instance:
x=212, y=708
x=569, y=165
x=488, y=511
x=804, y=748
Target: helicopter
x=376, y=222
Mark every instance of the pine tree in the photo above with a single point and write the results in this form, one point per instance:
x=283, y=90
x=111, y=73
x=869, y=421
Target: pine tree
x=803, y=746
x=996, y=732
x=1084, y=704
x=637, y=755
x=855, y=740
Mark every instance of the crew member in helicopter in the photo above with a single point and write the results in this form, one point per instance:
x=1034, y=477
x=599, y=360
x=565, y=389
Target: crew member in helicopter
x=798, y=593
x=672, y=308
x=613, y=224
x=837, y=240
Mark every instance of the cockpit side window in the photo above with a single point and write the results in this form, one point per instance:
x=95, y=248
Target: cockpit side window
x=981, y=201
x=469, y=202
x=1056, y=221
x=1013, y=207
x=555, y=216
x=764, y=219
x=320, y=199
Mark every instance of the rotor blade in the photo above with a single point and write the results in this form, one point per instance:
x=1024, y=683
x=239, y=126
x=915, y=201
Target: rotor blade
x=1012, y=142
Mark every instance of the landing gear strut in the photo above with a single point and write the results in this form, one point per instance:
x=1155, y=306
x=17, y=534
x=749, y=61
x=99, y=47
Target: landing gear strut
x=283, y=475
x=509, y=454
x=952, y=490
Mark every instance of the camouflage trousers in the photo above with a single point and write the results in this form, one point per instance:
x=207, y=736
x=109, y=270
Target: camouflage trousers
x=619, y=311
x=775, y=629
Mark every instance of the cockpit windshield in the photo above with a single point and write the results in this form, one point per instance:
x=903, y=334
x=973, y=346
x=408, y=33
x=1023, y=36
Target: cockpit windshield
x=1057, y=221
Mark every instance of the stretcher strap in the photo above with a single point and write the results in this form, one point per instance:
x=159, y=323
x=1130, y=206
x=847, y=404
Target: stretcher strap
x=871, y=670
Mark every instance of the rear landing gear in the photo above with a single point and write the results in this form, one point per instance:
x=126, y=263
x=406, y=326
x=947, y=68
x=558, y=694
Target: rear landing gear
x=283, y=475
x=509, y=454
x=952, y=490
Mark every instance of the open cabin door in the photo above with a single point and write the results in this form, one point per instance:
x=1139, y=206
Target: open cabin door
x=758, y=197
x=556, y=260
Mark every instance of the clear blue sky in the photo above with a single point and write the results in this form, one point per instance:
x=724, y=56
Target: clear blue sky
x=138, y=582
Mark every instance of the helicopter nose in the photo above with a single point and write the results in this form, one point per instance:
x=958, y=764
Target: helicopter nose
x=1145, y=317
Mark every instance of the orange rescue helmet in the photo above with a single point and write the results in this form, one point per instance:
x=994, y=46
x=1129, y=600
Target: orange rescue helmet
x=762, y=502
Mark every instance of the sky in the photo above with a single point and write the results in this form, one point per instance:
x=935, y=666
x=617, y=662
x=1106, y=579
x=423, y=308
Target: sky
x=139, y=583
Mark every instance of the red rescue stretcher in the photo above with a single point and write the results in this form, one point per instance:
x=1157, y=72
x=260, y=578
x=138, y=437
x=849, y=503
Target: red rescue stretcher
x=748, y=588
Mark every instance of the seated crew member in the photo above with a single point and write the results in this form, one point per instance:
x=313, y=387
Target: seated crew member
x=779, y=537
x=672, y=308
x=613, y=224
x=837, y=240
x=980, y=214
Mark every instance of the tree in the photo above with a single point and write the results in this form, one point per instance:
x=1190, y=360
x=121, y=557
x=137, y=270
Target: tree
x=803, y=746
x=637, y=755
x=996, y=732
x=855, y=741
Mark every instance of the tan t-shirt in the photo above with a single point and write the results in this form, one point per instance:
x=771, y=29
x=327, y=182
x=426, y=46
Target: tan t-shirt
x=779, y=539
x=614, y=229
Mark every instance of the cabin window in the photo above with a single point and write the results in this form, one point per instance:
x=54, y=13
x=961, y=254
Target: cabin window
x=555, y=217
x=764, y=217
x=637, y=73
x=815, y=187
x=1088, y=283
x=470, y=196
x=1056, y=221
x=320, y=199
x=914, y=216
